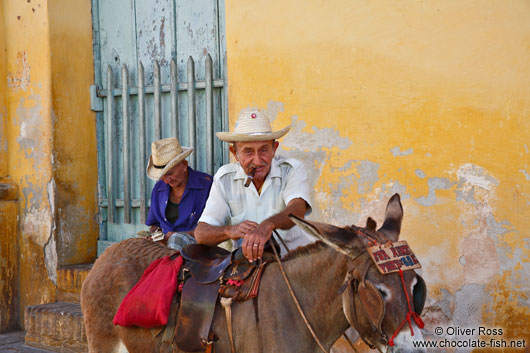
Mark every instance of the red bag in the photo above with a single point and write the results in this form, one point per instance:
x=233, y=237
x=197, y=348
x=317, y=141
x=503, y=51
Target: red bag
x=148, y=303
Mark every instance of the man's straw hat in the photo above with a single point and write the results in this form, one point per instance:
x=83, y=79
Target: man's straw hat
x=165, y=154
x=252, y=125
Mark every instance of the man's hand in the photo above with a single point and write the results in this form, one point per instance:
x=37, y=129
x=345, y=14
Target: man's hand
x=240, y=230
x=167, y=235
x=255, y=241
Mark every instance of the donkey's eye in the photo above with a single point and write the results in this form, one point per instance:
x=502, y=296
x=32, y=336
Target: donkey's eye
x=385, y=293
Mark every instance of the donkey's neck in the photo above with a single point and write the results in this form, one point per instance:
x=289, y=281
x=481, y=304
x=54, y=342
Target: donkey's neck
x=316, y=279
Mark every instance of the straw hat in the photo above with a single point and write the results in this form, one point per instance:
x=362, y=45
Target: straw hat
x=252, y=125
x=165, y=154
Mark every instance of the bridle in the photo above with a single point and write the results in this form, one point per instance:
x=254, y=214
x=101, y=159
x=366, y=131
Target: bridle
x=349, y=277
x=364, y=290
x=359, y=285
x=353, y=284
x=361, y=288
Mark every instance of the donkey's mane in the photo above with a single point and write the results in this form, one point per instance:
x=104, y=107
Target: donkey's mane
x=306, y=250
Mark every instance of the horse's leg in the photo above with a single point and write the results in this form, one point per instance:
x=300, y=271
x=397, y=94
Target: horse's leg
x=137, y=339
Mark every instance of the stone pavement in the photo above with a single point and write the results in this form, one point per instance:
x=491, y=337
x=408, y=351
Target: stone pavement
x=13, y=342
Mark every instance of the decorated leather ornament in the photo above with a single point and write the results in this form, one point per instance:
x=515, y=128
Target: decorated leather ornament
x=373, y=304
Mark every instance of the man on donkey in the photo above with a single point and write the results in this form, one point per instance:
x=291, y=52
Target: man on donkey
x=253, y=197
x=178, y=197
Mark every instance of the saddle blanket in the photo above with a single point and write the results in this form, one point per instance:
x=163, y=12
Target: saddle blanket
x=148, y=303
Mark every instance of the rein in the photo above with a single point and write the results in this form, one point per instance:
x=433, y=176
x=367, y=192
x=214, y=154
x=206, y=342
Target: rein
x=296, y=302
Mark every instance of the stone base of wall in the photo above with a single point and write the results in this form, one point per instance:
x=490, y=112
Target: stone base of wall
x=56, y=326
x=8, y=256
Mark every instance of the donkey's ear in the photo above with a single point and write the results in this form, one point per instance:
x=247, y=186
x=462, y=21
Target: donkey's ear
x=393, y=217
x=371, y=224
x=338, y=238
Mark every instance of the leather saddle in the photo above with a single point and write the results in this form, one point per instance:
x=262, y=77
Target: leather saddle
x=206, y=263
x=212, y=272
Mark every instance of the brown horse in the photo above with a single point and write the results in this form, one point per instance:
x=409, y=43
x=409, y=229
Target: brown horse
x=317, y=273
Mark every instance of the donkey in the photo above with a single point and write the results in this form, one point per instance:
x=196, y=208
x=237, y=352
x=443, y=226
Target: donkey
x=318, y=273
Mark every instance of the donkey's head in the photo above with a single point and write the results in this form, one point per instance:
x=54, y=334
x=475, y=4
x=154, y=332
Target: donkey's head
x=374, y=304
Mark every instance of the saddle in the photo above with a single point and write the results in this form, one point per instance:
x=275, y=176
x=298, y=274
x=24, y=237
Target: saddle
x=209, y=273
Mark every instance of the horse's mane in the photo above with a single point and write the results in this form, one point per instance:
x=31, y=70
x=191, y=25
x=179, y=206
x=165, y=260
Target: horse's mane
x=306, y=250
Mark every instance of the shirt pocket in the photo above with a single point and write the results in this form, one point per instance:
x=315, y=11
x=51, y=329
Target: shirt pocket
x=237, y=219
x=236, y=208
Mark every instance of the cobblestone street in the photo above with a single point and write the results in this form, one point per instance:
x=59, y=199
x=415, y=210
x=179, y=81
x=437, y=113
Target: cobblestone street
x=13, y=342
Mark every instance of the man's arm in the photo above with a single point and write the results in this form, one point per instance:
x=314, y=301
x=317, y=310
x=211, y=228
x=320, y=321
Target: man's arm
x=262, y=233
x=212, y=235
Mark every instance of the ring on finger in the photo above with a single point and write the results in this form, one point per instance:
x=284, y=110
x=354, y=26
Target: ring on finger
x=255, y=245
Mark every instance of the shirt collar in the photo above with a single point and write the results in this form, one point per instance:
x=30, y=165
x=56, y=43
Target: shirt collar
x=193, y=180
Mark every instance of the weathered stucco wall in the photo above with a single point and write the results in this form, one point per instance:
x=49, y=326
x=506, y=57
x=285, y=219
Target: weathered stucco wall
x=8, y=212
x=8, y=256
x=29, y=137
x=74, y=133
x=3, y=99
x=428, y=99
x=51, y=138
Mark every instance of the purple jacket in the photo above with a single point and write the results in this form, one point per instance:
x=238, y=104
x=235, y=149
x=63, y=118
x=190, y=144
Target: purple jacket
x=190, y=207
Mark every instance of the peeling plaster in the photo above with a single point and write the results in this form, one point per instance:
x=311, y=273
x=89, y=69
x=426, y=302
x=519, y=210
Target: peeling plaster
x=389, y=189
x=314, y=150
x=21, y=78
x=50, y=259
x=446, y=303
x=273, y=109
x=368, y=176
x=434, y=184
x=470, y=176
x=398, y=153
x=470, y=300
x=481, y=262
x=526, y=175
x=30, y=136
x=328, y=138
x=419, y=173
x=50, y=248
x=36, y=223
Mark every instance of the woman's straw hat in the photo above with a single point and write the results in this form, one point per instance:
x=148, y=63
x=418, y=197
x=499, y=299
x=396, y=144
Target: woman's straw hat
x=252, y=125
x=165, y=154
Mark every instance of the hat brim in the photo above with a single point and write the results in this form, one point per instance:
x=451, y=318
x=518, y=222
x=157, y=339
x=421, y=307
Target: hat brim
x=156, y=173
x=233, y=137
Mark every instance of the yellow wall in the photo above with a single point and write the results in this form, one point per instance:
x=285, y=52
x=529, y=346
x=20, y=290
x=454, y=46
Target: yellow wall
x=3, y=99
x=29, y=136
x=74, y=134
x=51, y=140
x=428, y=99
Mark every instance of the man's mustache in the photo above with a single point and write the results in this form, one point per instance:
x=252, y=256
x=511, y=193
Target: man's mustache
x=253, y=166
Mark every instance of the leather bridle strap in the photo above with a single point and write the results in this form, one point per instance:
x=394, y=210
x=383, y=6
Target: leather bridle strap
x=296, y=302
x=410, y=314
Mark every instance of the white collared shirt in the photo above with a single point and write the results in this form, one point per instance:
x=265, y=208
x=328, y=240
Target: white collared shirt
x=231, y=203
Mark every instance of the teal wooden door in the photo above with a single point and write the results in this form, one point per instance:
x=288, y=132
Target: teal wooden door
x=160, y=71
